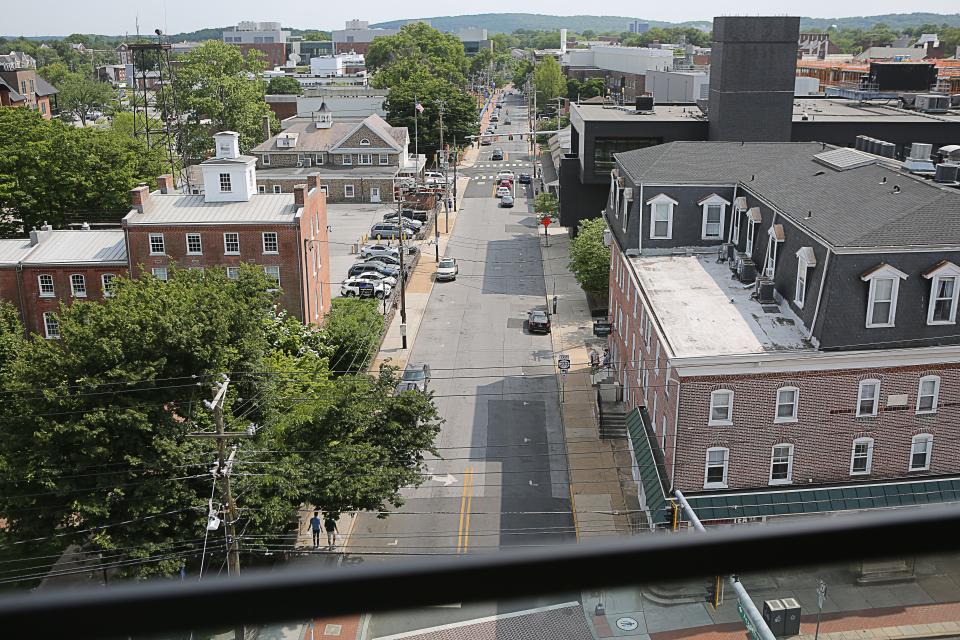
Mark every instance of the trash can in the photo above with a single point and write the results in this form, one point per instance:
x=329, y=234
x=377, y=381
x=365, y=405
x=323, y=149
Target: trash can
x=773, y=615
x=791, y=612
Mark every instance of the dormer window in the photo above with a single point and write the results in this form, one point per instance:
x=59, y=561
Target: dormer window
x=364, y=142
x=942, y=308
x=661, y=216
x=714, y=213
x=882, y=300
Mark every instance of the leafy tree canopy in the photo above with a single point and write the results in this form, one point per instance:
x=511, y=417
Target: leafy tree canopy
x=459, y=113
x=417, y=48
x=589, y=258
x=284, y=85
x=549, y=81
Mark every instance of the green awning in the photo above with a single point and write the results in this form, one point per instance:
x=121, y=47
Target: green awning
x=776, y=502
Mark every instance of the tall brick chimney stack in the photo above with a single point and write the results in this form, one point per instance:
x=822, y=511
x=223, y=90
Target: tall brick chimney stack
x=165, y=183
x=300, y=194
x=140, y=197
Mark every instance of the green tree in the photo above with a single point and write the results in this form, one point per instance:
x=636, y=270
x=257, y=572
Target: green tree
x=546, y=205
x=481, y=61
x=219, y=89
x=549, y=81
x=48, y=168
x=351, y=333
x=459, y=113
x=79, y=96
x=417, y=49
x=284, y=85
x=315, y=36
x=589, y=258
x=11, y=334
x=522, y=73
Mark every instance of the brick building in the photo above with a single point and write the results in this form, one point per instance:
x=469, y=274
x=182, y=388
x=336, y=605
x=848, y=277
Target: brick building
x=230, y=225
x=784, y=322
x=20, y=86
x=266, y=37
x=353, y=161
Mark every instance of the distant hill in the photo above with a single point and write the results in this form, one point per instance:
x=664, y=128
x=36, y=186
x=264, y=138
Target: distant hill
x=895, y=21
x=509, y=22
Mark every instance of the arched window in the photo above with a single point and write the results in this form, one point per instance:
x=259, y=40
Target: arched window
x=364, y=142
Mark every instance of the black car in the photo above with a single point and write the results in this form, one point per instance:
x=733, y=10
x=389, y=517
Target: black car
x=379, y=267
x=538, y=320
x=525, y=178
x=415, y=214
x=497, y=154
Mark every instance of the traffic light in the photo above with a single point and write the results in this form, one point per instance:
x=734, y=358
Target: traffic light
x=714, y=594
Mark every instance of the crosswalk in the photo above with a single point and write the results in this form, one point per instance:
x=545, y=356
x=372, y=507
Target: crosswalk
x=500, y=165
x=492, y=176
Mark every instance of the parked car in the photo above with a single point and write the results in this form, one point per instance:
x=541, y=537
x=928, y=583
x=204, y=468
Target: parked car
x=505, y=175
x=373, y=265
x=538, y=320
x=389, y=231
x=506, y=202
x=494, y=118
x=364, y=289
x=416, y=377
x=407, y=222
x=503, y=191
x=497, y=154
x=525, y=178
x=375, y=276
x=447, y=269
x=416, y=214
x=377, y=250
x=391, y=261
x=434, y=175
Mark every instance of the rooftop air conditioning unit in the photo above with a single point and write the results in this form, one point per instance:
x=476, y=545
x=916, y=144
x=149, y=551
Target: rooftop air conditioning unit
x=919, y=159
x=764, y=291
x=933, y=103
x=947, y=173
x=727, y=252
x=746, y=270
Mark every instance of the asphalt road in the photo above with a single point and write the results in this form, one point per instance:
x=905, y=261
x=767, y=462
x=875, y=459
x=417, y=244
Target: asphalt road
x=502, y=478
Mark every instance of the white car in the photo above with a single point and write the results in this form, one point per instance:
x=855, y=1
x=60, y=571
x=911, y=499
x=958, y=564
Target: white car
x=377, y=250
x=503, y=191
x=376, y=276
x=505, y=175
x=447, y=269
x=434, y=177
x=361, y=288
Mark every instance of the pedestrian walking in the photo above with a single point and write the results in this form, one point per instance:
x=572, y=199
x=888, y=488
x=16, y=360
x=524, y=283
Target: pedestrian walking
x=315, y=526
x=606, y=357
x=330, y=524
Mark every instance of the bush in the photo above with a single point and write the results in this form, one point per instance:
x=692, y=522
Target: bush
x=589, y=258
x=352, y=333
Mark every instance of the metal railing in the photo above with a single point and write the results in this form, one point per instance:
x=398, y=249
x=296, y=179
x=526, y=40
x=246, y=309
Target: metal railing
x=303, y=593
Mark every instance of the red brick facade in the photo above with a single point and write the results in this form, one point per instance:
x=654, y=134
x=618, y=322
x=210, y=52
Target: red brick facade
x=35, y=305
x=826, y=425
x=275, y=53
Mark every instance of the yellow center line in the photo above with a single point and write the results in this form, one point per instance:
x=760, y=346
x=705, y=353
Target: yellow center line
x=466, y=526
x=463, y=508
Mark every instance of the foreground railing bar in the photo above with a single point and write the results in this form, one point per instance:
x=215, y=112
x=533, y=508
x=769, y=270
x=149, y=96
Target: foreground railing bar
x=312, y=592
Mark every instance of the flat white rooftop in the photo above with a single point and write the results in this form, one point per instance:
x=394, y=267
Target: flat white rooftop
x=704, y=311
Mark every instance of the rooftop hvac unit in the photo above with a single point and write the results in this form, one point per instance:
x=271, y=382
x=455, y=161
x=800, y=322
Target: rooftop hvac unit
x=887, y=149
x=919, y=159
x=920, y=151
x=644, y=103
x=932, y=103
x=947, y=173
x=746, y=270
x=861, y=143
x=734, y=261
x=872, y=145
x=723, y=254
x=764, y=291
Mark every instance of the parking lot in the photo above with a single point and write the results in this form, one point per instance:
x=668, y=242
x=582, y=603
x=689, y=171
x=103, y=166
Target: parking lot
x=349, y=223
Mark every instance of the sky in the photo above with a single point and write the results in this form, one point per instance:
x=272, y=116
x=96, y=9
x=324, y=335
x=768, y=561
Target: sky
x=116, y=17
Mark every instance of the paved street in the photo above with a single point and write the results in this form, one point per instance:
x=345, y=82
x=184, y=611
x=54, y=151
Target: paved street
x=502, y=477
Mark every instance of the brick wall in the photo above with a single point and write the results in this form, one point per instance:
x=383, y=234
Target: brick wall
x=8, y=285
x=34, y=306
x=275, y=53
x=335, y=188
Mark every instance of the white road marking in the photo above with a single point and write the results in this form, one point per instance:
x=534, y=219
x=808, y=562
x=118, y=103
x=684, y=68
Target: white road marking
x=447, y=480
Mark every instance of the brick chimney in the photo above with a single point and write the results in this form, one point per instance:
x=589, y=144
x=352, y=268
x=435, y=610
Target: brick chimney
x=165, y=183
x=266, y=128
x=313, y=181
x=299, y=194
x=140, y=197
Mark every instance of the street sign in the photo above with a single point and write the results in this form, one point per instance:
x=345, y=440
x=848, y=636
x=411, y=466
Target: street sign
x=545, y=221
x=751, y=630
x=602, y=329
x=563, y=363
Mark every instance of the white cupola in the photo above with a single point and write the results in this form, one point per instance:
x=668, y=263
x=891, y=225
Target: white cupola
x=229, y=176
x=228, y=145
x=322, y=118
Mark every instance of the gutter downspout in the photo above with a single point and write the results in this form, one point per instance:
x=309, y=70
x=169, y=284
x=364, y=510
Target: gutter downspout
x=23, y=313
x=301, y=242
x=640, y=228
x=733, y=213
x=676, y=432
x=816, y=308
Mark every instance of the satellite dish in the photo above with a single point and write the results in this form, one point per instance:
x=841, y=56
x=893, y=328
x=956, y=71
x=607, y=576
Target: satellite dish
x=294, y=59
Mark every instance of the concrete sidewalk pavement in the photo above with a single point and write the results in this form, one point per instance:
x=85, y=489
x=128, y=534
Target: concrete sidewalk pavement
x=595, y=484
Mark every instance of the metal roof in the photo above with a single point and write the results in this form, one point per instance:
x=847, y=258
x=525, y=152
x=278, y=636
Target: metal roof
x=74, y=247
x=13, y=251
x=265, y=208
x=652, y=472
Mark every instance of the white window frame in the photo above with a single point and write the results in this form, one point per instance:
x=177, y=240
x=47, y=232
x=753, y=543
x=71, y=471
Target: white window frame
x=199, y=240
x=714, y=405
x=346, y=159
x=886, y=272
x=936, y=394
x=707, y=466
x=106, y=280
x=862, y=397
x=751, y=236
x=277, y=188
x=152, y=239
x=773, y=459
x=78, y=285
x=947, y=270
x=276, y=242
x=320, y=158
x=869, y=457
x=226, y=243
x=713, y=201
x=160, y=273
x=226, y=183
x=927, y=439
x=349, y=191
x=364, y=142
x=51, y=325
x=233, y=273
x=735, y=225
x=805, y=260
x=770, y=261
x=41, y=279
x=325, y=189
x=796, y=405
x=265, y=160
x=261, y=188
x=271, y=268
x=670, y=203
x=384, y=158
x=364, y=158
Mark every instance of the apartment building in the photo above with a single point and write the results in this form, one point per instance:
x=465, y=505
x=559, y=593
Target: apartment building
x=785, y=322
x=266, y=37
x=20, y=86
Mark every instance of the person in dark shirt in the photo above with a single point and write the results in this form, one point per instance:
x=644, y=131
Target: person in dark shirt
x=330, y=524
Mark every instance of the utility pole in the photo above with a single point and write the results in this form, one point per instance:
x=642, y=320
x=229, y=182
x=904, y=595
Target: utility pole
x=456, y=161
x=446, y=163
x=403, y=277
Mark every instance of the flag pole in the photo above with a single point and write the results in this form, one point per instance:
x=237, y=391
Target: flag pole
x=416, y=137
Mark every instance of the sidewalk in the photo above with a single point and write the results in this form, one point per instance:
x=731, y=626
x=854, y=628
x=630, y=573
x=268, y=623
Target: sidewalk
x=595, y=485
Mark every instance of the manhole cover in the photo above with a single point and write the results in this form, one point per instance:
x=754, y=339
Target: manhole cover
x=627, y=624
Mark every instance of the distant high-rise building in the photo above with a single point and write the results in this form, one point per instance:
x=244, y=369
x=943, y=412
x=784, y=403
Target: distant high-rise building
x=635, y=26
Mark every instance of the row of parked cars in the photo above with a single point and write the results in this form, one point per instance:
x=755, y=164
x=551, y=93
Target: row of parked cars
x=378, y=269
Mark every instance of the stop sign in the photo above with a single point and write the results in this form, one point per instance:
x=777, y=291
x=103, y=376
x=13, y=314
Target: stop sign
x=546, y=221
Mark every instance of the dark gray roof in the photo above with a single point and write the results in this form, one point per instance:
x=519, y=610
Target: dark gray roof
x=44, y=88
x=856, y=207
x=14, y=94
